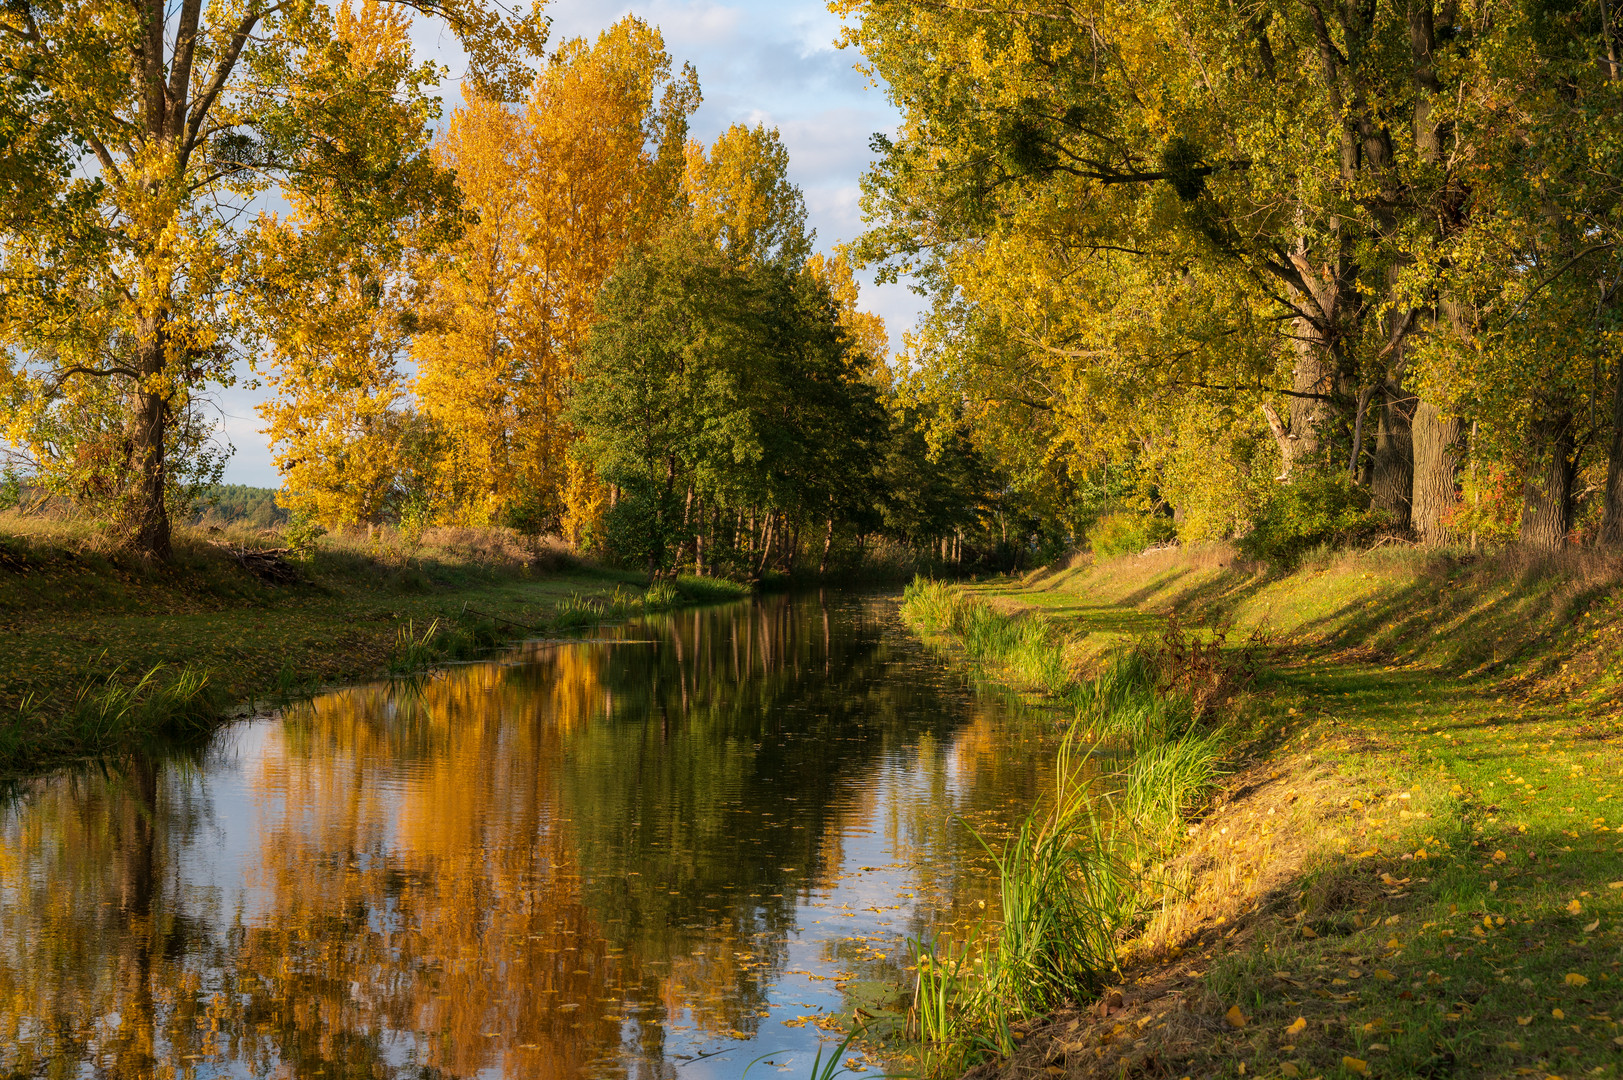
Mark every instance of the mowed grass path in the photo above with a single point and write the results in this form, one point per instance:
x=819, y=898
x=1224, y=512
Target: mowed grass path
x=1458, y=908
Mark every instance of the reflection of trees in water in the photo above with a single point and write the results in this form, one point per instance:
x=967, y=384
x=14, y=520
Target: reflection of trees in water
x=93, y=942
x=508, y=867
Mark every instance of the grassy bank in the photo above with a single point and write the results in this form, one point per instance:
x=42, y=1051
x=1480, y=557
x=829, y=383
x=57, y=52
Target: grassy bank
x=97, y=649
x=1409, y=869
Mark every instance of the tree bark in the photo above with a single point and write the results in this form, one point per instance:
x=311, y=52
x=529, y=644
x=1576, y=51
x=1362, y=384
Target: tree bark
x=147, y=509
x=828, y=542
x=1392, y=470
x=1547, y=491
x=1436, y=439
x=1611, y=522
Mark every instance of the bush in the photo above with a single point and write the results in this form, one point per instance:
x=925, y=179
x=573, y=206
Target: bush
x=1327, y=510
x=1128, y=534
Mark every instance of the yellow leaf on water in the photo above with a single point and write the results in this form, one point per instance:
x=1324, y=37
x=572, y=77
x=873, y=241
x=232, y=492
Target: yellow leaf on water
x=1357, y=1065
x=1297, y=1026
x=1575, y=979
x=1235, y=1017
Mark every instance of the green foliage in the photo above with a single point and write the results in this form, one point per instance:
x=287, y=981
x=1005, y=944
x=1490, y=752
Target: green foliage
x=713, y=391
x=1321, y=510
x=1125, y=533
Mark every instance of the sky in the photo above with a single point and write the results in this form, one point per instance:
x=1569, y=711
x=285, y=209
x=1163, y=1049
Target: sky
x=759, y=61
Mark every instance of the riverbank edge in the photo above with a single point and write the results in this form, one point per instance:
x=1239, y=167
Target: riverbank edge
x=101, y=653
x=1281, y=849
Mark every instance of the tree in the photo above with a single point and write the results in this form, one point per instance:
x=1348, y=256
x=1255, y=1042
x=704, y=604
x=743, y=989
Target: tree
x=557, y=194
x=122, y=255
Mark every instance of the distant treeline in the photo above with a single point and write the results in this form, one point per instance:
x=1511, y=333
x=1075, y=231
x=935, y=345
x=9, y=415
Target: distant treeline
x=239, y=504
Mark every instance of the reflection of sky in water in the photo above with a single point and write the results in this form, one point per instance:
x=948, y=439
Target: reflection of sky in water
x=732, y=834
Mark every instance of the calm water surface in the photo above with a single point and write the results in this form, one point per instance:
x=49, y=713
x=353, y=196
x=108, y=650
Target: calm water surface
x=699, y=841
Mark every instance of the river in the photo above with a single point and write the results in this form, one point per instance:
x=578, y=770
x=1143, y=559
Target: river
x=671, y=849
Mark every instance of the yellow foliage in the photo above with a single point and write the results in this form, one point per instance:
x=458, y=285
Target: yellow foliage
x=556, y=195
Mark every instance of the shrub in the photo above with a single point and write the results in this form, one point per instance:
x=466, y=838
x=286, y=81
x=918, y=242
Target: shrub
x=1128, y=534
x=1327, y=510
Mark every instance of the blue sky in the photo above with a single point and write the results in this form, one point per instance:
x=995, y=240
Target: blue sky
x=759, y=62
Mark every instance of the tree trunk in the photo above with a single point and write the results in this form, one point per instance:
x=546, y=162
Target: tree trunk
x=147, y=511
x=1392, y=471
x=1436, y=439
x=1611, y=522
x=1547, y=491
x=828, y=542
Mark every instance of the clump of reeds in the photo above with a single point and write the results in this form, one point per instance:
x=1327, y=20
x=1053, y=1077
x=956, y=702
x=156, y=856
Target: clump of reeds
x=1075, y=879
x=1028, y=648
x=109, y=710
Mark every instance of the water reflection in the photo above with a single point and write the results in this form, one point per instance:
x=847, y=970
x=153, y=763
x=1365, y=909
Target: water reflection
x=686, y=846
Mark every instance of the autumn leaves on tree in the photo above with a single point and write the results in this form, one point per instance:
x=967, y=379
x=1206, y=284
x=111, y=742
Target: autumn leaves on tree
x=1368, y=249
x=420, y=306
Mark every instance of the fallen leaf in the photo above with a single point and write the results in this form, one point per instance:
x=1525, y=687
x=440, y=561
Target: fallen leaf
x=1307, y=932
x=1235, y=1017
x=1297, y=1026
x=1524, y=1020
x=1558, y=1014
x=1574, y=908
x=1592, y=927
x=1383, y=974
x=1575, y=979
x=1287, y=1069
x=1054, y=1070
x=1357, y=1065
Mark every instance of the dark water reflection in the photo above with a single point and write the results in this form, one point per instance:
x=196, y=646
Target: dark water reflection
x=664, y=854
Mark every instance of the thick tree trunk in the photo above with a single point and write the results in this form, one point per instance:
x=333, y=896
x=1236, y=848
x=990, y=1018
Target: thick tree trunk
x=1547, y=491
x=1436, y=438
x=146, y=510
x=1392, y=470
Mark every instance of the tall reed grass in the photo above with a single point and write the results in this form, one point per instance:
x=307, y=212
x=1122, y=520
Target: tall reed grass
x=109, y=710
x=1076, y=876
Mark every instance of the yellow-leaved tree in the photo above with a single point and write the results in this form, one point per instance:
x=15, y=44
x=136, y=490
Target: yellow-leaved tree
x=741, y=199
x=556, y=194
x=349, y=447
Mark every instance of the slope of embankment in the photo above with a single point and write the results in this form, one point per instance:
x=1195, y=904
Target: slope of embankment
x=1414, y=867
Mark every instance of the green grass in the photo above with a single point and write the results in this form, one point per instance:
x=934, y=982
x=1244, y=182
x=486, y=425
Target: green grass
x=80, y=615
x=1433, y=744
